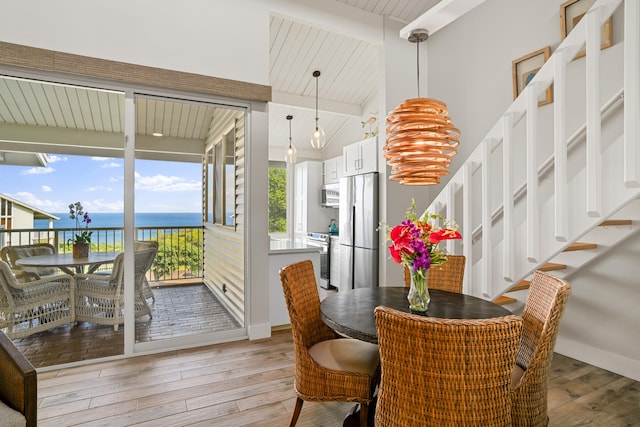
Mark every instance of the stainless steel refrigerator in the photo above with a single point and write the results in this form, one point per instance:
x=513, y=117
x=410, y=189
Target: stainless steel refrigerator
x=358, y=231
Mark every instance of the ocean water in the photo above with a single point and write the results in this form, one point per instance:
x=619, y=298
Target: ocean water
x=106, y=220
x=116, y=220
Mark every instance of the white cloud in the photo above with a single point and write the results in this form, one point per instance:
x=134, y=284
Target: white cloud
x=46, y=188
x=100, y=188
x=54, y=158
x=45, y=205
x=100, y=159
x=166, y=183
x=116, y=179
x=110, y=165
x=100, y=205
x=37, y=171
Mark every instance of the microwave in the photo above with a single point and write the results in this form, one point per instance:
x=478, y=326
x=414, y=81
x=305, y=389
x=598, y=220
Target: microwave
x=331, y=195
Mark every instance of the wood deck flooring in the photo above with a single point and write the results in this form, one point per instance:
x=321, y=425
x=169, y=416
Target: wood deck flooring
x=250, y=383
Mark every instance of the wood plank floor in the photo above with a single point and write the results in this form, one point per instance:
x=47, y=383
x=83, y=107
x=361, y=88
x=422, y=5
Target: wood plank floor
x=250, y=383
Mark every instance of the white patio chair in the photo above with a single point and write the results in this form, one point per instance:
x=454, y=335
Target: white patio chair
x=39, y=305
x=100, y=298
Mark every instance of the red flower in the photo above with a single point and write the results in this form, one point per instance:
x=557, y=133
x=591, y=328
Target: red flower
x=443, y=234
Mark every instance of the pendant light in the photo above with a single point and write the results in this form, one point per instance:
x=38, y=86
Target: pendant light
x=290, y=156
x=318, y=139
x=421, y=139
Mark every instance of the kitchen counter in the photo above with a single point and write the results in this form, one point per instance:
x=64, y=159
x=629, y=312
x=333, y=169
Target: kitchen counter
x=281, y=253
x=284, y=246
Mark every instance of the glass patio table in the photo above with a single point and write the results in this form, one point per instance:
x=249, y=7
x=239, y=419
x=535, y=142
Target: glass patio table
x=67, y=263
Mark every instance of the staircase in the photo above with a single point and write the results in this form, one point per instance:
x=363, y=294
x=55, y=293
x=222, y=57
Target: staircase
x=551, y=187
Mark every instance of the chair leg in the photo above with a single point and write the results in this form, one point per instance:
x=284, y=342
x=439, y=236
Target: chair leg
x=296, y=412
x=364, y=412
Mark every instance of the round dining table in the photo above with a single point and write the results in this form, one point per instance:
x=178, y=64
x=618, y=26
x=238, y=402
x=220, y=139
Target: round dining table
x=67, y=263
x=351, y=312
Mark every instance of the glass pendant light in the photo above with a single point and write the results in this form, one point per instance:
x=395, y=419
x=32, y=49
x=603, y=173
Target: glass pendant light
x=421, y=140
x=318, y=139
x=290, y=156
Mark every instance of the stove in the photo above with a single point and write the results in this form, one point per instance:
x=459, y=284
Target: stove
x=321, y=240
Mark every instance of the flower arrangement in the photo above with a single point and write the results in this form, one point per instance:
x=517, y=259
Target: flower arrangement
x=76, y=211
x=414, y=243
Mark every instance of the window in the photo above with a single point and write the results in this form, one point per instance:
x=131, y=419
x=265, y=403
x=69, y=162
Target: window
x=277, y=197
x=221, y=182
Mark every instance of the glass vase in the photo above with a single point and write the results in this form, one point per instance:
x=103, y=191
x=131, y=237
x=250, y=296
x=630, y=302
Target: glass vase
x=419, y=291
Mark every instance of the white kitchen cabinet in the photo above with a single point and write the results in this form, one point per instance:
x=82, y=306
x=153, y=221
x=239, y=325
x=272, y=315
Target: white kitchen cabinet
x=361, y=157
x=333, y=170
x=308, y=213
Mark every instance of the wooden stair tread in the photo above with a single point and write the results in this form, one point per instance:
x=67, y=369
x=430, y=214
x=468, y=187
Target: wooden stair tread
x=552, y=266
x=611, y=222
x=521, y=286
x=580, y=246
x=502, y=300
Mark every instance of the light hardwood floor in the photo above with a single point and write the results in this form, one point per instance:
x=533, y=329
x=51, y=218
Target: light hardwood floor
x=250, y=383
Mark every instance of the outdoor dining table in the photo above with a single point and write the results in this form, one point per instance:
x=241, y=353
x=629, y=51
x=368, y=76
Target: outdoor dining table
x=67, y=263
x=351, y=312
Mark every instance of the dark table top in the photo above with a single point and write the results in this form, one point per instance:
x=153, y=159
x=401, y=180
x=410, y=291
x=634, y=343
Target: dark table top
x=350, y=312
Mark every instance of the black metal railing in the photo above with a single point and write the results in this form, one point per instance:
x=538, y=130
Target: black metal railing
x=180, y=248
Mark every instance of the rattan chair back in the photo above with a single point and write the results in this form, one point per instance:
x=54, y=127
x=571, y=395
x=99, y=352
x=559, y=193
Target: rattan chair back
x=445, y=372
x=546, y=303
x=314, y=382
x=445, y=277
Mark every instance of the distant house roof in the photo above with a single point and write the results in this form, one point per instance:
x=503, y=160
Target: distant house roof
x=37, y=213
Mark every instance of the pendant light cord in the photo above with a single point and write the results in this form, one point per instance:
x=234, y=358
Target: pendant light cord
x=317, y=101
x=417, y=66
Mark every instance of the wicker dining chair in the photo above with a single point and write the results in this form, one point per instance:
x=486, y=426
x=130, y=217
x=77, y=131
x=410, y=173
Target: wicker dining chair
x=445, y=277
x=328, y=368
x=545, y=305
x=445, y=372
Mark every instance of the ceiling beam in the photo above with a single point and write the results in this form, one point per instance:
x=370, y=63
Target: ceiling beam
x=309, y=103
x=439, y=16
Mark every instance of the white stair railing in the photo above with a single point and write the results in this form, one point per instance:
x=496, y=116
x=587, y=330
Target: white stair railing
x=502, y=218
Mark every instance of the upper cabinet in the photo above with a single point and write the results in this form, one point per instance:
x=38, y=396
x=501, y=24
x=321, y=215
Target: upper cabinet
x=333, y=170
x=361, y=157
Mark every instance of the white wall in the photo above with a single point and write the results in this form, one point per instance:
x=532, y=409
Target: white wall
x=600, y=324
x=470, y=62
x=210, y=37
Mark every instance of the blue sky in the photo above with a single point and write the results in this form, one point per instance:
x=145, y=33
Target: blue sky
x=97, y=182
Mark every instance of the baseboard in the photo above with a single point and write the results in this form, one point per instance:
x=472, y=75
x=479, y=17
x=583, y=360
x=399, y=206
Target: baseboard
x=599, y=357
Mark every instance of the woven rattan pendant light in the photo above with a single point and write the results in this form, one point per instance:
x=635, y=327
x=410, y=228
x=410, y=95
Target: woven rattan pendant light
x=421, y=139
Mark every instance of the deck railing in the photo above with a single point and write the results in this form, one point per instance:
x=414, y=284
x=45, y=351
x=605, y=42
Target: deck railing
x=180, y=248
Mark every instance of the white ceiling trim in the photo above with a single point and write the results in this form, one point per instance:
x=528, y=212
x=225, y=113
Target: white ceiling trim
x=440, y=16
x=309, y=103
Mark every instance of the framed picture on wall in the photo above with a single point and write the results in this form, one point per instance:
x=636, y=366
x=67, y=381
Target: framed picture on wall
x=524, y=69
x=572, y=11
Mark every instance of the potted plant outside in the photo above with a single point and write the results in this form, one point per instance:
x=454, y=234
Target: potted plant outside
x=81, y=241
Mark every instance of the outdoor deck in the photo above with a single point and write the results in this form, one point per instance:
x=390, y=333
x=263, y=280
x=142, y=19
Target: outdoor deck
x=178, y=311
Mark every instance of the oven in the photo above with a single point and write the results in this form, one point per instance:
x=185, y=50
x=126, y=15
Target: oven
x=321, y=240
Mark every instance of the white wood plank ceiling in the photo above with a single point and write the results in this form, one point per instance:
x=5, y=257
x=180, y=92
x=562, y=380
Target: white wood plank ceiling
x=348, y=81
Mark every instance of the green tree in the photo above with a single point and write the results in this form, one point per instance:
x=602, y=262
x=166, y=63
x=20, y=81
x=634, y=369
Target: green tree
x=277, y=200
x=178, y=251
